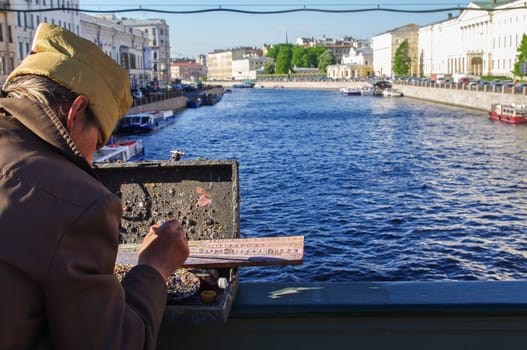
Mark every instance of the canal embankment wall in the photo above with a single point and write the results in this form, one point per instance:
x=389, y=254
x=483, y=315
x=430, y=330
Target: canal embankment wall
x=176, y=102
x=455, y=95
x=461, y=96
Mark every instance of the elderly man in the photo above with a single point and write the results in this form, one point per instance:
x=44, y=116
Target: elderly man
x=59, y=225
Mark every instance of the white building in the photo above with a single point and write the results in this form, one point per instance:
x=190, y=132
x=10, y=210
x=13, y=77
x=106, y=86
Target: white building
x=248, y=67
x=385, y=45
x=360, y=56
x=158, y=33
x=358, y=63
x=127, y=46
x=475, y=43
x=7, y=42
x=64, y=14
x=220, y=62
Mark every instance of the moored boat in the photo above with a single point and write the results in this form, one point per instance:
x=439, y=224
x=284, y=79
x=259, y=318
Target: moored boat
x=509, y=113
x=245, y=84
x=366, y=90
x=195, y=102
x=389, y=92
x=121, y=151
x=146, y=121
x=350, y=91
x=211, y=98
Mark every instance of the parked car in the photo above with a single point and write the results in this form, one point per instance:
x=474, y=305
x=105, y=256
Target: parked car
x=509, y=84
x=483, y=84
x=137, y=93
x=495, y=85
x=463, y=81
x=520, y=87
x=474, y=84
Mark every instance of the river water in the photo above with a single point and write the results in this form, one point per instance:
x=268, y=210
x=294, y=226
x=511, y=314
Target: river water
x=382, y=189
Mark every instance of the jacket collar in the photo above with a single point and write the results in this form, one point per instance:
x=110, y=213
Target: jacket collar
x=42, y=121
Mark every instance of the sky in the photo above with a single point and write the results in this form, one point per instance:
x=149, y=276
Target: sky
x=201, y=33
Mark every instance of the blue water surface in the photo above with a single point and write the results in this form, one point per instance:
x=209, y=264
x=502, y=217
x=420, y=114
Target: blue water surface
x=381, y=188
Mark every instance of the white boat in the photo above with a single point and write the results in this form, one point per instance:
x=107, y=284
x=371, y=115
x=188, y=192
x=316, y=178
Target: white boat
x=389, y=92
x=146, y=121
x=350, y=91
x=121, y=151
x=367, y=90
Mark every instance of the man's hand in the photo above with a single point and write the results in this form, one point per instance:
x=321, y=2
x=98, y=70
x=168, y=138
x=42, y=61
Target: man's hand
x=165, y=248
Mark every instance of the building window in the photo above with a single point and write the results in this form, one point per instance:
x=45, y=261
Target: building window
x=20, y=50
x=124, y=61
x=1, y=32
x=132, y=62
x=9, y=34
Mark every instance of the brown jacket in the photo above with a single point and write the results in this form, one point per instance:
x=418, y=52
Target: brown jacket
x=58, y=243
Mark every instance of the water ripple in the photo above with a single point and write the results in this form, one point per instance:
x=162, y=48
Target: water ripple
x=382, y=189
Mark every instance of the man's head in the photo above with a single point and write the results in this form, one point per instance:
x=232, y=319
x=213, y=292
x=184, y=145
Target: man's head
x=80, y=66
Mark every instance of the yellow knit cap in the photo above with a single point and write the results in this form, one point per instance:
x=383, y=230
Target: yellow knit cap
x=79, y=65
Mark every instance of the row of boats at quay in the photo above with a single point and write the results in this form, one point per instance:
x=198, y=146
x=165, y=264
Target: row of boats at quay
x=205, y=99
x=512, y=113
x=374, y=88
x=370, y=91
x=129, y=149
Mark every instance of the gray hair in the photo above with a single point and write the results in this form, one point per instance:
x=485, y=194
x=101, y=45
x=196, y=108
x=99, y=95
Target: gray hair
x=43, y=90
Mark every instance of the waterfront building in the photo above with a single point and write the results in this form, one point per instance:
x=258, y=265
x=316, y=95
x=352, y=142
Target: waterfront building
x=385, y=45
x=356, y=64
x=338, y=47
x=305, y=42
x=7, y=42
x=186, y=70
x=219, y=62
x=435, y=45
x=126, y=45
x=158, y=52
x=476, y=42
x=247, y=67
x=64, y=14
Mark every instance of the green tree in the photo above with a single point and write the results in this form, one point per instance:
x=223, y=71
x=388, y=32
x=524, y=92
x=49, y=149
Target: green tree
x=273, y=51
x=325, y=60
x=269, y=68
x=402, y=60
x=283, y=59
x=298, y=53
x=312, y=56
x=522, y=55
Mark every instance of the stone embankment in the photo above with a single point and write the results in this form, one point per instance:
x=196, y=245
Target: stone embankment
x=454, y=94
x=172, y=100
x=459, y=95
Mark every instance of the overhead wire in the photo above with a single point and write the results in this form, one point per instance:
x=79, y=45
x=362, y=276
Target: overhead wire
x=221, y=8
